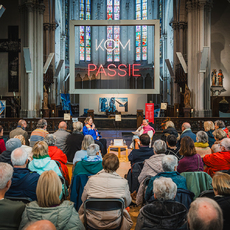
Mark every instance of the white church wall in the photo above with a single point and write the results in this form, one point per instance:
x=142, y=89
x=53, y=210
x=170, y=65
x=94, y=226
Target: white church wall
x=220, y=41
x=5, y=21
x=91, y=101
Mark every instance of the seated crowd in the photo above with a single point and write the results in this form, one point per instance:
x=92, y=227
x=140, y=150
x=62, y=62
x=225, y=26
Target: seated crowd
x=180, y=181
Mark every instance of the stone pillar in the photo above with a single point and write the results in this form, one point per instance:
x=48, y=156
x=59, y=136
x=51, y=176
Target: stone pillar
x=198, y=37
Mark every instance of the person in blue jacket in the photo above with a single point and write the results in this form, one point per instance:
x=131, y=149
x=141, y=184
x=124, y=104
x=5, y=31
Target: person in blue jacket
x=90, y=129
x=186, y=131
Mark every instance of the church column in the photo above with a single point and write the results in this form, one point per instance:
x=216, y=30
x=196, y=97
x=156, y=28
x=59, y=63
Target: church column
x=198, y=30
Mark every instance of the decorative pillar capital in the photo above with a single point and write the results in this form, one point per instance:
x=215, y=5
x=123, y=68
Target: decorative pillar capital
x=41, y=8
x=46, y=26
x=29, y=6
x=53, y=26
x=174, y=25
x=182, y=25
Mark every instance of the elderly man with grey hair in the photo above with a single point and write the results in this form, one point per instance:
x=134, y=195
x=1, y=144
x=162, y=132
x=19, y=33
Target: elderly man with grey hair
x=91, y=164
x=162, y=213
x=74, y=141
x=220, y=160
x=10, y=211
x=153, y=165
x=202, y=145
x=56, y=154
x=206, y=214
x=24, y=181
x=169, y=165
x=61, y=134
x=40, y=133
x=186, y=131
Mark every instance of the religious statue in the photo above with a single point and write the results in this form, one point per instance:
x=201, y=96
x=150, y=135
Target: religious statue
x=187, y=96
x=214, y=78
x=220, y=78
x=45, y=99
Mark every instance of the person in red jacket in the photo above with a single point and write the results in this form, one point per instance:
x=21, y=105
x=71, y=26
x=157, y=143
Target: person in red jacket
x=218, y=161
x=2, y=143
x=56, y=154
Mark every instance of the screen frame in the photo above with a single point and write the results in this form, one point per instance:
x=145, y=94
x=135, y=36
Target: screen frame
x=74, y=23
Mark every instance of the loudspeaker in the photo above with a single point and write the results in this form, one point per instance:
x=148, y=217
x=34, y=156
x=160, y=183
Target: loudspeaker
x=48, y=61
x=28, y=66
x=204, y=59
x=58, y=68
x=2, y=10
x=169, y=67
x=182, y=61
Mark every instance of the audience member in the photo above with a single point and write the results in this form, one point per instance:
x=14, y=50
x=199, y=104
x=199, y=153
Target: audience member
x=49, y=205
x=209, y=128
x=219, y=135
x=20, y=130
x=215, y=148
x=186, y=131
x=56, y=154
x=27, y=148
x=145, y=128
x=220, y=160
x=169, y=130
x=162, y=213
x=172, y=148
x=41, y=160
x=2, y=142
x=87, y=141
x=221, y=187
x=107, y=184
x=91, y=164
x=143, y=153
x=205, y=214
x=61, y=134
x=202, y=146
x=74, y=141
x=153, y=165
x=40, y=224
x=40, y=133
x=90, y=129
x=191, y=161
x=24, y=181
x=10, y=211
x=169, y=165
x=221, y=125
x=11, y=145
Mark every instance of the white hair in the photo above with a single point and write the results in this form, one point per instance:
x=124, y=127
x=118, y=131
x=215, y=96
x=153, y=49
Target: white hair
x=186, y=125
x=202, y=137
x=159, y=147
x=169, y=162
x=50, y=139
x=164, y=188
x=92, y=150
x=226, y=143
x=6, y=173
x=19, y=157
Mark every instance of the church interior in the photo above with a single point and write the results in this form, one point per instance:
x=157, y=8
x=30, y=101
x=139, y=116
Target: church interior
x=118, y=62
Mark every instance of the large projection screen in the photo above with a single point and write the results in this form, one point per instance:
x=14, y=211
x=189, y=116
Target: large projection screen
x=76, y=23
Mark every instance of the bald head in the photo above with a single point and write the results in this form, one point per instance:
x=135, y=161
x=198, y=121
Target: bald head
x=19, y=157
x=185, y=125
x=206, y=214
x=22, y=123
x=41, y=224
x=62, y=125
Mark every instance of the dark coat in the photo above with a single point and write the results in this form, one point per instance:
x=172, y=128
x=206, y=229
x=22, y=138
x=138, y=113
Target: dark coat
x=167, y=132
x=73, y=144
x=224, y=203
x=5, y=157
x=162, y=215
x=174, y=152
x=139, y=155
x=190, y=134
x=211, y=139
x=24, y=183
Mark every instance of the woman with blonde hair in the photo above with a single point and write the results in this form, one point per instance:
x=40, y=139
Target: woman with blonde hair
x=209, y=128
x=41, y=160
x=49, y=205
x=219, y=134
x=221, y=187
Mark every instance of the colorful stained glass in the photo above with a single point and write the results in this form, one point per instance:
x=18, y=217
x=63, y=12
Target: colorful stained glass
x=141, y=31
x=113, y=32
x=85, y=31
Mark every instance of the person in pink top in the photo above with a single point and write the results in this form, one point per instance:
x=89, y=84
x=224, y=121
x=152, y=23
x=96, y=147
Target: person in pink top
x=2, y=143
x=145, y=128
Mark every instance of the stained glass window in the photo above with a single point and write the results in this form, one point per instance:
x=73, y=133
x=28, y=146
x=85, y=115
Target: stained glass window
x=85, y=31
x=141, y=31
x=113, y=32
x=67, y=30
